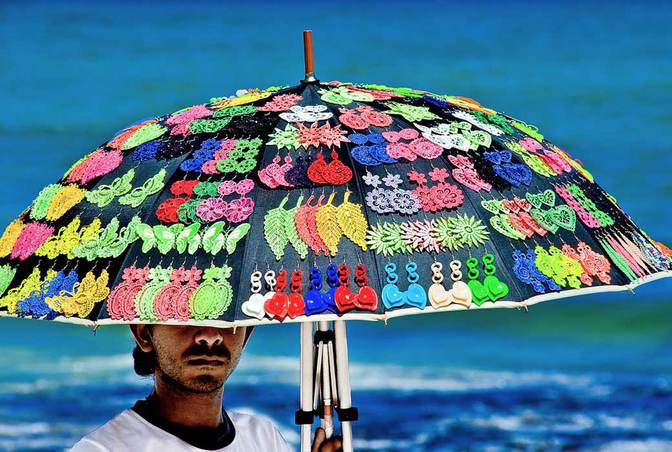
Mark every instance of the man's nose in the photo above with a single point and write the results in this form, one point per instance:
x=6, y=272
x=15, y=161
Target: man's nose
x=209, y=336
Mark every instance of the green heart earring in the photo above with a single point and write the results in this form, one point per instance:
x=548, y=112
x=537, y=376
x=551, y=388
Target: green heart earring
x=496, y=289
x=478, y=291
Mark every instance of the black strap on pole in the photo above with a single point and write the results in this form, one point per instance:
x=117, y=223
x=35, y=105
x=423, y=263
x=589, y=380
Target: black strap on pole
x=304, y=417
x=347, y=414
x=324, y=337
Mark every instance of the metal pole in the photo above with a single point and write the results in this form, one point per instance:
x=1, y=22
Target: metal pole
x=343, y=377
x=306, y=382
x=328, y=419
x=308, y=56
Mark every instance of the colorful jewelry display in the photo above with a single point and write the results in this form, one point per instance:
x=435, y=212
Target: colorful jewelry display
x=206, y=170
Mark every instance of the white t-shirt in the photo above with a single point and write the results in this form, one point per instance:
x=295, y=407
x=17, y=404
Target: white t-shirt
x=131, y=432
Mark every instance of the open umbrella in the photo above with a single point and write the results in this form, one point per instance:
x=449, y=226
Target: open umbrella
x=316, y=203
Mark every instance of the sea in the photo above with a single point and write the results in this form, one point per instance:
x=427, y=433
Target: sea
x=590, y=373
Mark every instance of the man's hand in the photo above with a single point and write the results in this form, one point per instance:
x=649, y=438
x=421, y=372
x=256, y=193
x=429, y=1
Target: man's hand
x=322, y=444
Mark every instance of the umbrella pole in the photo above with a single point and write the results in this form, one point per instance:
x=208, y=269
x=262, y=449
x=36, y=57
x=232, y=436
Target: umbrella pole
x=328, y=417
x=304, y=416
x=346, y=413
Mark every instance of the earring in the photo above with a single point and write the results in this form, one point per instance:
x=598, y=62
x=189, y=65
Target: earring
x=415, y=294
x=343, y=296
x=392, y=296
x=439, y=297
x=367, y=298
x=337, y=173
x=296, y=306
x=460, y=292
x=277, y=305
x=254, y=306
x=332, y=281
x=314, y=299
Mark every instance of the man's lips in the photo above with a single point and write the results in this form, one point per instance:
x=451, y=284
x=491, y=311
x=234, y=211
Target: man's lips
x=207, y=361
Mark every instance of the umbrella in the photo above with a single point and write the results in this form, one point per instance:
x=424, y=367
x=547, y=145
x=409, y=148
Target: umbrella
x=319, y=203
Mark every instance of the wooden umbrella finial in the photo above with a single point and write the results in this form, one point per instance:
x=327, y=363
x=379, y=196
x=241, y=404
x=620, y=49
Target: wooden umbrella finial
x=308, y=56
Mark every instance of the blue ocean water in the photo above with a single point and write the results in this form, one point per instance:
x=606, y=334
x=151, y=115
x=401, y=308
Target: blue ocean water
x=589, y=373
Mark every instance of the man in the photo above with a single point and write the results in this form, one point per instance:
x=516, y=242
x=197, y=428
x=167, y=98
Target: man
x=190, y=365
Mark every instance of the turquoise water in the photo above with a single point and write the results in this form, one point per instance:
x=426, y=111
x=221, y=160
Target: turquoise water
x=593, y=372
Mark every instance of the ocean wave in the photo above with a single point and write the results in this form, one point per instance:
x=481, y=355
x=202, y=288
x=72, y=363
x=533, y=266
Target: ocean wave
x=117, y=370
x=284, y=370
x=651, y=445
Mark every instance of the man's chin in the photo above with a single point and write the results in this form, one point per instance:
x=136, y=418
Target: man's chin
x=205, y=383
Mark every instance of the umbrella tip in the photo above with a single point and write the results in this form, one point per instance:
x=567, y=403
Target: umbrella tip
x=308, y=56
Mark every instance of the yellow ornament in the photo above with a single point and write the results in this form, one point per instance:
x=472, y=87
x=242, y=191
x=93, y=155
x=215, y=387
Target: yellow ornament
x=86, y=294
x=65, y=199
x=87, y=233
x=327, y=225
x=10, y=237
x=246, y=98
x=352, y=221
x=62, y=242
x=31, y=283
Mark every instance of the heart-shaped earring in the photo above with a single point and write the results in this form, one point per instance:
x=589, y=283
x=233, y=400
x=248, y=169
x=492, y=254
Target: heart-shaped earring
x=493, y=205
x=415, y=293
x=343, y=296
x=460, y=293
x=332, y=281
x=295, y=304
x=501, y=224
x=391, y=295
x=439, y=297
x=520, y=225
x=367, y=298
x=277, y=305
x=564, y=216
x=478, y=291
x=496, y=289
x=510, y=205
x=254, y=306
x=314, y=299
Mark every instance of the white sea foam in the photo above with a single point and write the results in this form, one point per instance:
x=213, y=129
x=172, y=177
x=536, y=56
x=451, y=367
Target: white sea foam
x=30, y=428
x=651, y=445
x=118, y=370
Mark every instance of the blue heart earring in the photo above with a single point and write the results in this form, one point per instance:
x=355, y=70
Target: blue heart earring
x=314, y=298
x=391, y=295
x=332, y=281
x=415, y=294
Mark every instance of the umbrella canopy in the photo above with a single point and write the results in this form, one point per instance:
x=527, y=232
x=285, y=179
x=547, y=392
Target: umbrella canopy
x=317, y=202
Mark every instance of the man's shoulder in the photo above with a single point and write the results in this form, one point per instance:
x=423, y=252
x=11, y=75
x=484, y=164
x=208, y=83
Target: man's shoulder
x=126, y=425
x=256, y=427
x=128, y=429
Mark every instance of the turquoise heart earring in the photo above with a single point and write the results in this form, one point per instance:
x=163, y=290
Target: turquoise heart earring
x=415, y=294
x=391, y=295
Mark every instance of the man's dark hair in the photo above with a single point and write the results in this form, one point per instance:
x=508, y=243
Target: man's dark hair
x=144, y=363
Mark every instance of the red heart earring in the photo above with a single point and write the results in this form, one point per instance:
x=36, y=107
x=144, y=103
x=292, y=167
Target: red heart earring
x=278, y=304
x=296, y=305
x=367, y=298
x=343, y=296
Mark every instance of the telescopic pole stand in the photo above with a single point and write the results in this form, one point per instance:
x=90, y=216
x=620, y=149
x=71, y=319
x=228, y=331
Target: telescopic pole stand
x=325, y=382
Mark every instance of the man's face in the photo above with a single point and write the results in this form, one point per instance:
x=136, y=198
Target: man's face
x=199, y=359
